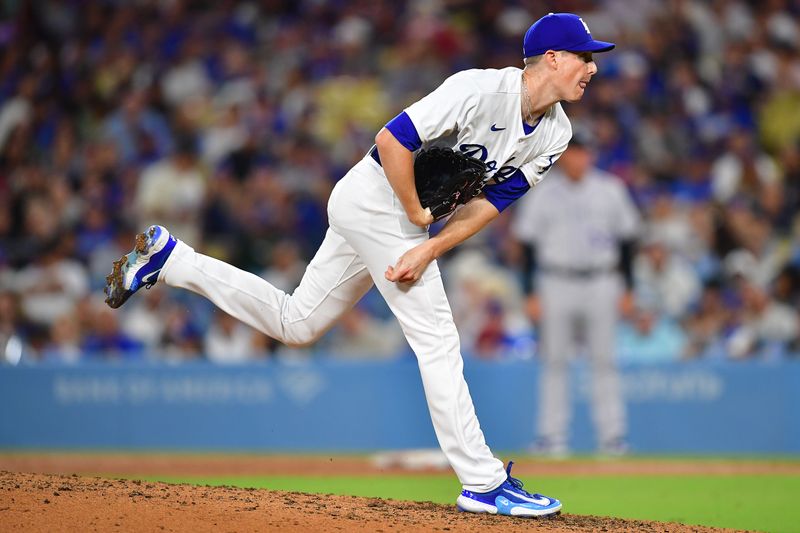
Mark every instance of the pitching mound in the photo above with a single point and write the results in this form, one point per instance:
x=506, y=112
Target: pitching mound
x=37, y=502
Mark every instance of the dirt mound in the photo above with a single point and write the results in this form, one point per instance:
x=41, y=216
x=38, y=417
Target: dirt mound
x=37, y=502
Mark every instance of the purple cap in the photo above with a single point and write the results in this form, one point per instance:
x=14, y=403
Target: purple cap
x=561, y=31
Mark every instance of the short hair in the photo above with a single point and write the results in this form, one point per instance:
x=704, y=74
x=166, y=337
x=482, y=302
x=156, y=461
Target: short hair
x=532, y=60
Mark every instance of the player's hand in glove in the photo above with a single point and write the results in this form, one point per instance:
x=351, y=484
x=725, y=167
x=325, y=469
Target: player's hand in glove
x=446, y=179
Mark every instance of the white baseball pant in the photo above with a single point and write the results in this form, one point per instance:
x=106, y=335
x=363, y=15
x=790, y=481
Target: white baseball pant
x=368, y=231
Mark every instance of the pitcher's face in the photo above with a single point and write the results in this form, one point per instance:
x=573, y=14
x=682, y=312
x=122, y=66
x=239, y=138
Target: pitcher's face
x=575, y=71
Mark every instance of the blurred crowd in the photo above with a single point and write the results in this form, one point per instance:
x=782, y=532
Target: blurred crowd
x=229, y=121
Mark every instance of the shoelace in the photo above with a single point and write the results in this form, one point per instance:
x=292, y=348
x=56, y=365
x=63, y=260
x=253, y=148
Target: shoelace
x=516, y=482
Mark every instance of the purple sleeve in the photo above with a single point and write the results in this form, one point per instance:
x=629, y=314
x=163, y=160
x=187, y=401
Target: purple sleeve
x=404, y=131
x=504, y=194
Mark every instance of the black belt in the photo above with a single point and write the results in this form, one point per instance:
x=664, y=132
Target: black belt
x=373, y=152
x=579, y=273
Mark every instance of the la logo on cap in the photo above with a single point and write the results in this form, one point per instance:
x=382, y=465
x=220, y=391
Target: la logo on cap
x=586, y=26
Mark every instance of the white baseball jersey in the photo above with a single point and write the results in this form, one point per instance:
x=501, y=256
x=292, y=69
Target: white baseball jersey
x=477, y=112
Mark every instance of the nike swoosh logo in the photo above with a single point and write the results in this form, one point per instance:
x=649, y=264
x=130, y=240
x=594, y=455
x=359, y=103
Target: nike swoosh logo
x=148, y=277
x=495, y=128
x=537, y=501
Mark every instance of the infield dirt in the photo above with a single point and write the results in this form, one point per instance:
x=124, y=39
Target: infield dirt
x=69, y=502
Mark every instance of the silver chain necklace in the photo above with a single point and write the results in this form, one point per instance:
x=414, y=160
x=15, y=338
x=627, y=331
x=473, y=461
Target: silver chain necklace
x=526, y=107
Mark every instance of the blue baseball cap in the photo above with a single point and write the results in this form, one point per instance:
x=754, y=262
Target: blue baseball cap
x=561, y=31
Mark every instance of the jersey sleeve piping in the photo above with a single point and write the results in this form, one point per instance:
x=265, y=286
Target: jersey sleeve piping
x=502, y=195
x=404, y=131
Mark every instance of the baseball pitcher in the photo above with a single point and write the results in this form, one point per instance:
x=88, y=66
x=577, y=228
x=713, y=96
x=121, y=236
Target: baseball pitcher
x=506, y=123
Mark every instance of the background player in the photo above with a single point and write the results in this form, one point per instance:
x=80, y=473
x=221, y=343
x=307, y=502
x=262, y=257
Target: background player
x=509, y=118
x=579, y=225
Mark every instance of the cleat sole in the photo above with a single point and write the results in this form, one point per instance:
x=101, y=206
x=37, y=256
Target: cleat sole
x=115, y=292
x=141, y=242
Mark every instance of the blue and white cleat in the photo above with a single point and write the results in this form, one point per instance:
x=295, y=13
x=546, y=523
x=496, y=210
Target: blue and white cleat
x=508, y=499
x=139, y=268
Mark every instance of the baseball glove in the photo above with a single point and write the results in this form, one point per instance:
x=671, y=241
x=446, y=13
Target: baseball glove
x=446, y=179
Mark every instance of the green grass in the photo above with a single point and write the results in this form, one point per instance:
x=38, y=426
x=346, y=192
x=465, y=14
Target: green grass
x=762, y=502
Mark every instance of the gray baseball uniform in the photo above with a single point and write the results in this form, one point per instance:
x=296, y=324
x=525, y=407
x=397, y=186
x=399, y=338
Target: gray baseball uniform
x=576, y=228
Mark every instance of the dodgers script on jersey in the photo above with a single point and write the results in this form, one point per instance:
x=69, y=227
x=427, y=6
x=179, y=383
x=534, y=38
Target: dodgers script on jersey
x=478, y=113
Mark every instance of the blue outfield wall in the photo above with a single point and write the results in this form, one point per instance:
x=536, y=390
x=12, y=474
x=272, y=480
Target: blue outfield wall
x=329, y=405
